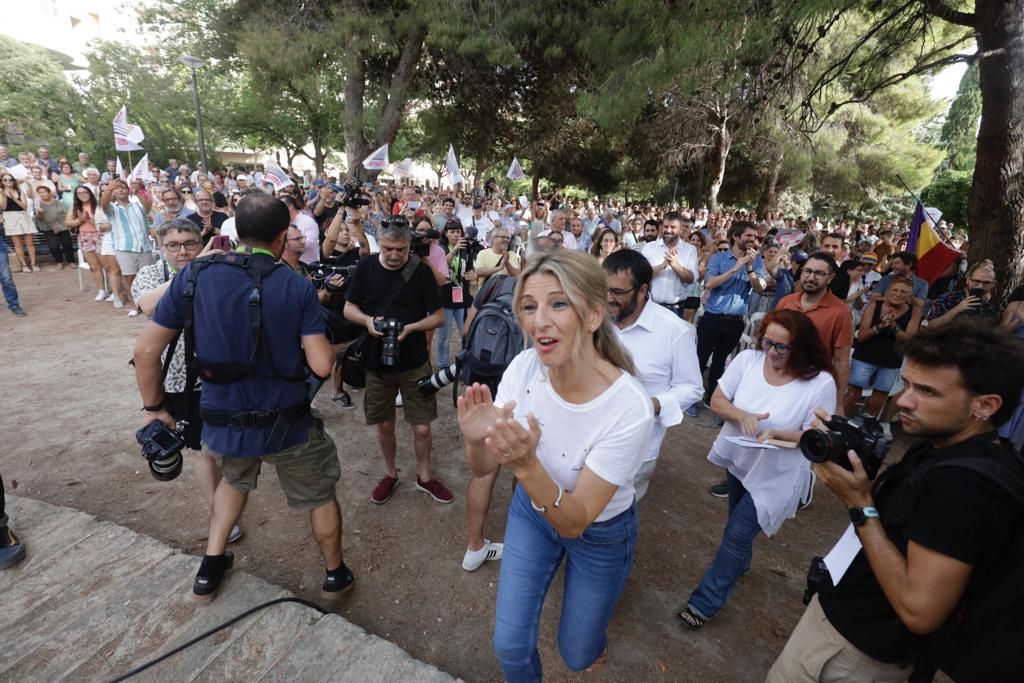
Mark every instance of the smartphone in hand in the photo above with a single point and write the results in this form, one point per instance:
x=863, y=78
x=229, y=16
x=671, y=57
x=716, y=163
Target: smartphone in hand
x=222, y=242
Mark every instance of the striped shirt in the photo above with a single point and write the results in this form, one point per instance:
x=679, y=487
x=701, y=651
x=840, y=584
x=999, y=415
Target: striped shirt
x=129, y=227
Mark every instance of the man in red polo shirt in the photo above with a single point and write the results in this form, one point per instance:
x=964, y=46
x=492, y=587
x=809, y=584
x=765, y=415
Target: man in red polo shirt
x=829, y=314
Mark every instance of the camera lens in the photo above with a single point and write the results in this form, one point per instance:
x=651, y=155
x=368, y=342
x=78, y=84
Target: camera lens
x=166, y=470
x=819, y=446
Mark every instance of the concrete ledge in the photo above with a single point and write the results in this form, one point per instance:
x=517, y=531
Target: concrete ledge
x=93, y=600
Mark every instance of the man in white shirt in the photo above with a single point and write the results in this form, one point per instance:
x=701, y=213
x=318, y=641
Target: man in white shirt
x=559, y=222
x=483, y=223
x=675, y=264
x=664, y=349
x=309, y=229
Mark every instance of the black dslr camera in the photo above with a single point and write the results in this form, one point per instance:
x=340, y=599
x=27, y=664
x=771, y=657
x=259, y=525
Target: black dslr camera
x=862, y=435
x=390, y=329
x=161, y=447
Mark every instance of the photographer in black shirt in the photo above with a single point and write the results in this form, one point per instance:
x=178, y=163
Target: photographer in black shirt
x=395, y=297
x=940, y=531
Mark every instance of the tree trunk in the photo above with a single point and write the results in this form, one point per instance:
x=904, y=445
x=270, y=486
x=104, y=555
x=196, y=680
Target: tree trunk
x=535, y=184
x=721, y=142
x=695, y=188
x=766, y=202
x=355, y=89
x=318, y=156
x=996, y=202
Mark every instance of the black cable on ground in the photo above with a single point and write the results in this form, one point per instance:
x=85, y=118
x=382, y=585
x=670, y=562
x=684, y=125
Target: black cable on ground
x=215, y=629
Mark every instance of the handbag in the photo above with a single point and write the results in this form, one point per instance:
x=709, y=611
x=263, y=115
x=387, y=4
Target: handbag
x=354, y=364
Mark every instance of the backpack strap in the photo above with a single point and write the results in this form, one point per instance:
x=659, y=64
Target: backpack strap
x=996, y=473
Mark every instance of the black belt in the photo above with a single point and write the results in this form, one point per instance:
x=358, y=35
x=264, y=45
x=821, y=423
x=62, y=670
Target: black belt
x=253, y=418
x=740, y=318
x=675, y=305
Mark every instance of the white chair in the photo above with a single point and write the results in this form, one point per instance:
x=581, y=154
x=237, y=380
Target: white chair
x=82, y=265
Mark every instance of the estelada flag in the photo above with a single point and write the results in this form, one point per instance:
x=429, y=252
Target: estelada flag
x=933, y=254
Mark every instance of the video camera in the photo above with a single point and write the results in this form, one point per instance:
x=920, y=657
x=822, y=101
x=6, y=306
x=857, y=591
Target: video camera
x=863, y=435
x=322, y=272
x=161, y=447
x=420, y=244
x=350, y=195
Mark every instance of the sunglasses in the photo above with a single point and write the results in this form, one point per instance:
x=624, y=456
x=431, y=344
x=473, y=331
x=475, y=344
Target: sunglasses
x=723, y=249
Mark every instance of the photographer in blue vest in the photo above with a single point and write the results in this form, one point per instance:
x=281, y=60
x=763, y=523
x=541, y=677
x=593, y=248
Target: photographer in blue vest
x=251, y=328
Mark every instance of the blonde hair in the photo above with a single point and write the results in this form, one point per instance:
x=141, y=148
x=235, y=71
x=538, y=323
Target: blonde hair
x=586, y=287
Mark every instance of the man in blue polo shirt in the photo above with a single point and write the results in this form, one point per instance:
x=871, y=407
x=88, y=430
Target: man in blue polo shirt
x=254, y=405
x=731, y=276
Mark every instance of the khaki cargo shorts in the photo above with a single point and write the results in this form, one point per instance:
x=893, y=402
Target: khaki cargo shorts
x=307, y=471
x=382, y=388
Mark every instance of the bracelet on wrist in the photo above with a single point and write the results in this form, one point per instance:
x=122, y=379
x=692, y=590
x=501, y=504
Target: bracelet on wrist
x=155, y=408
x=558, y=501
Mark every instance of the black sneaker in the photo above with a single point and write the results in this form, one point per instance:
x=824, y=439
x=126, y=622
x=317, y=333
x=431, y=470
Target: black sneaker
x=211, y=573
x=12, y=550
x=720, y=490
x=337, y=582
x=342, y=400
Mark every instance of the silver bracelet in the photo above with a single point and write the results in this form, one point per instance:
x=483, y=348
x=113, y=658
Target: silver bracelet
x=558, y=501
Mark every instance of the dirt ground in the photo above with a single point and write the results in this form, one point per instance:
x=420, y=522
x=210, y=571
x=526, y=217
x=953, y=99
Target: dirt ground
x=70, y=410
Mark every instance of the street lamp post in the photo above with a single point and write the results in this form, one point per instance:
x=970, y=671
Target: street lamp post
x=194, y=63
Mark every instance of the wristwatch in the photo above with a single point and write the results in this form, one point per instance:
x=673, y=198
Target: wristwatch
x=860, y=515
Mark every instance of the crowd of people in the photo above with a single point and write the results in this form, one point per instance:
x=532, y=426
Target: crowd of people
x=636, y=316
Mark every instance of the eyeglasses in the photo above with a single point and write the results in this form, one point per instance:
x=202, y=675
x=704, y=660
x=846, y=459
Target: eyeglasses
x=615, y=291
x=723, y=249
x=186, y=192
x=814, y=273
x=981, y=283
x=175, y=247
x=779, y=348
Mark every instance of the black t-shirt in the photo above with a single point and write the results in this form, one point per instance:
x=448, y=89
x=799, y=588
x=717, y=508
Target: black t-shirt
x=459, y=266
x=325, y=218
x=418, y=298
x=216, y=218
x=880, y=350
x=956, y=512
x=840, y=285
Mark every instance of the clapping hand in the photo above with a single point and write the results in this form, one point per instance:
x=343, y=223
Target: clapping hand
x=513, y=445
x=477, y=412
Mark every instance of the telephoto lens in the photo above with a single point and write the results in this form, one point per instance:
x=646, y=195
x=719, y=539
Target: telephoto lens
x=431, y=384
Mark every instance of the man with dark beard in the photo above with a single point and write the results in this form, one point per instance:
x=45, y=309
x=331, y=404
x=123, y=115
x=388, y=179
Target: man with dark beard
x=664, y=349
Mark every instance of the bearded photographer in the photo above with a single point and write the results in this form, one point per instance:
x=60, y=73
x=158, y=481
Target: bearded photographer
x=255, y=402
x=938, y=535
x=180, y=241
x=396, y=298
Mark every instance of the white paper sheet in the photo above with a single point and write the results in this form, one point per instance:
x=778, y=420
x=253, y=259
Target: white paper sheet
x=747, y=442
x=841, y=556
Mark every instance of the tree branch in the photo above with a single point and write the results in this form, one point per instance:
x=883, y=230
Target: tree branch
x=947, y=13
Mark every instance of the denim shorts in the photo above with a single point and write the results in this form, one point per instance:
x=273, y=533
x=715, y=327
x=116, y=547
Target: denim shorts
x=868, y=376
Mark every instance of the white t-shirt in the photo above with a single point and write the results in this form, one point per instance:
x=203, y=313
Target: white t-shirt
x=666, y=287
x=608, y=434
x=308, y=227
x=775, y=478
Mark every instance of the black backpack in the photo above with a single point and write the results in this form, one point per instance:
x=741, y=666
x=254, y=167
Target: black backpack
x=984, y=639
x=493, y=339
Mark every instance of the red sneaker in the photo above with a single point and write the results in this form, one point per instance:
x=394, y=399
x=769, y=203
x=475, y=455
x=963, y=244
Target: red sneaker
x=435, y=490
x=385, y=487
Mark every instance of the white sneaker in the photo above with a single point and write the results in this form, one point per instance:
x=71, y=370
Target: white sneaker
x=117, y=303
x=475, y=558
x=236, y=533
x=111, y=297
x=101, y=295
x=805, y=500
x=398, y=400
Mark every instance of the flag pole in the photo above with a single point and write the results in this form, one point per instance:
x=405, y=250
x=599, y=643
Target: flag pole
x=918, y=200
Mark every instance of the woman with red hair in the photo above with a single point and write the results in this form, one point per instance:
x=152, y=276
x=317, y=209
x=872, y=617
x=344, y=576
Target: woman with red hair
x=767, y=393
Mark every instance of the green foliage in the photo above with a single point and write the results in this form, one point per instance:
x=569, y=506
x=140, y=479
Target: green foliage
x=959, y=136
x=157, y=90
x=948, y=193
x=37, y=99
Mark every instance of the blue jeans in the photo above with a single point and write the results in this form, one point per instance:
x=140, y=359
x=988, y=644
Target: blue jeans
x=7, y=281
x=458, y=315
x=733, y=557
x=598, y=564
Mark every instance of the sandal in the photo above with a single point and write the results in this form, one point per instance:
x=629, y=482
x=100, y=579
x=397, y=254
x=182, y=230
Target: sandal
x=689, y=619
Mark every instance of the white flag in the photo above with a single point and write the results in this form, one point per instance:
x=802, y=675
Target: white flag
x=377, y=161
x=451, y=166
x=142, y=172
x=515, y=171
x=119, y=170
x=276, y=176
x=403, y=168
x=127, y=136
